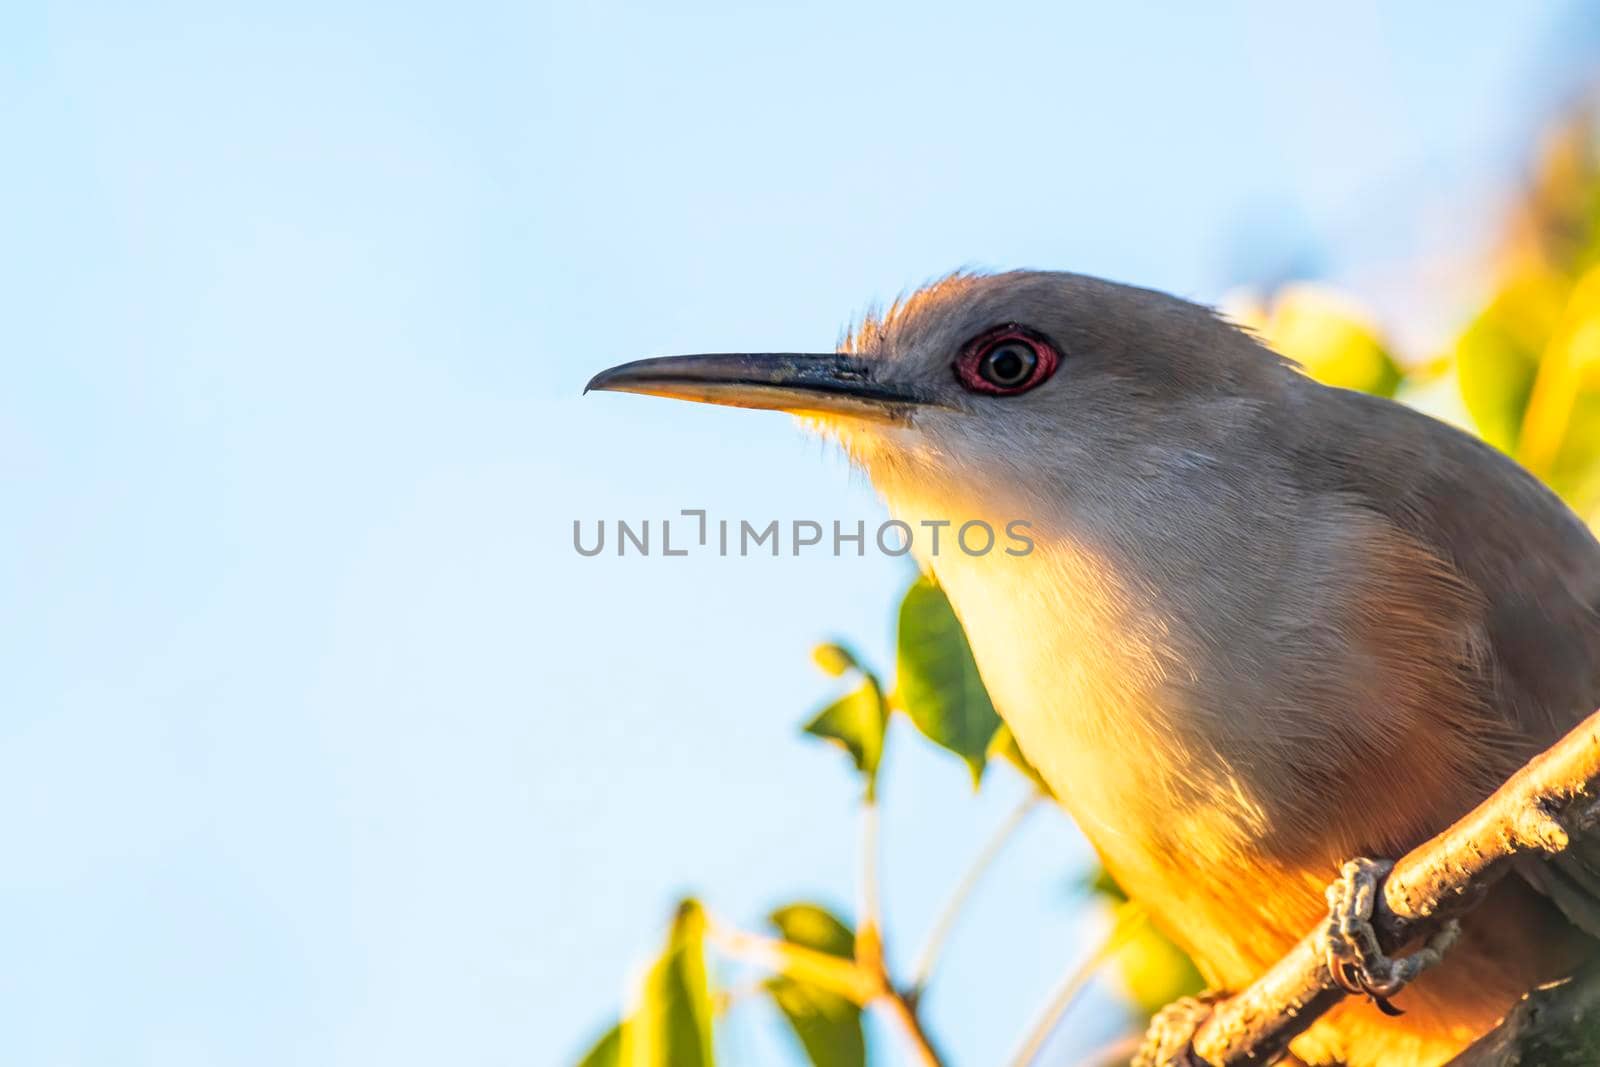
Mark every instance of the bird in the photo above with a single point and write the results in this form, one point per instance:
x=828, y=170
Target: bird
x=1266, y=627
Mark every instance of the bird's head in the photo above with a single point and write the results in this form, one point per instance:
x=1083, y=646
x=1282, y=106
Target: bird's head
x=1003, y=391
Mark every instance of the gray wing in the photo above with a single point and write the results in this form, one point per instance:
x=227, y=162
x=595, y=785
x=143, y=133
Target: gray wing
x=1535, y=563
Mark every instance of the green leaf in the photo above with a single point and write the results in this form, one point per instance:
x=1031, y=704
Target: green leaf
x=1154, y=969
x=1575, y=473
x=1560, y=438
x=1003, y=745
x=1497, y=356
x=1101, y=884
x=835, y=659
x=816, y=927
x=938, y=682
x=1331, y=340
x=1496, y=375
x=827, y=1025
x=671, y=1023
x=857, y=722
x=607, y=1052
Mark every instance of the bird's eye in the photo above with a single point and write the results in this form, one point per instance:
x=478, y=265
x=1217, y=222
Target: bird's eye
x=1004, y=361
x=1007, y=365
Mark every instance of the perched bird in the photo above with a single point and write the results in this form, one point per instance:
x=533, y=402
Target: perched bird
x=1267, y=626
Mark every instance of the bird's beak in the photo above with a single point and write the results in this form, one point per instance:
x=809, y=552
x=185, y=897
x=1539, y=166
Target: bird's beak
x=802, y=384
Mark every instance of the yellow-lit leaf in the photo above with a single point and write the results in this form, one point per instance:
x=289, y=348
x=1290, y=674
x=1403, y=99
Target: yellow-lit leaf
x=827, y=1025
x=1331, y=339
x=835, y=659
x=1003, y=745
x=1498, y=355
x=671, y=1022
x=1557, y=435
x=607, y=1051
x=1575, y=472
x=1155, y=971
x=856, y=722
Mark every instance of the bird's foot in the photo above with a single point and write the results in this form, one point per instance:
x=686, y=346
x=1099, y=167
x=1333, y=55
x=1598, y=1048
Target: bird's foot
x=1350, y=944
x=1168, y=1040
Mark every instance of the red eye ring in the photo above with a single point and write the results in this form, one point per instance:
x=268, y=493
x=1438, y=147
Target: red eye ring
x=1006, y=360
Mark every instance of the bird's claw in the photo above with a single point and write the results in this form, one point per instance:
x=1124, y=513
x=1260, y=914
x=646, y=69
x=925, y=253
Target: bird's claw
x=1350, y=944
x=1168, y=1040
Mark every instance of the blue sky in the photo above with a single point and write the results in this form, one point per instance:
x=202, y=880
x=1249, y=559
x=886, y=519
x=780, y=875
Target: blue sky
x=320, y=744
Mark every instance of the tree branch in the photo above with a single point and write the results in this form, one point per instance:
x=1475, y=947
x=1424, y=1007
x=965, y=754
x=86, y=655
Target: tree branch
x=1129, y=917
x=1536, y=810
x=922, y=971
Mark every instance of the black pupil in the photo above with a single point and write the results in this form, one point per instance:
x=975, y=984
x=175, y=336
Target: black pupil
x=1009, y=364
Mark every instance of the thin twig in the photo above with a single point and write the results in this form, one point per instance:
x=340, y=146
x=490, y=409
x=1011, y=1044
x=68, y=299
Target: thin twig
x=870, y=904
x=863, y=981
x=904, y=1011
x=929, y=956
x=1128, y=918
x=723, y=1000
x=836, y=974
